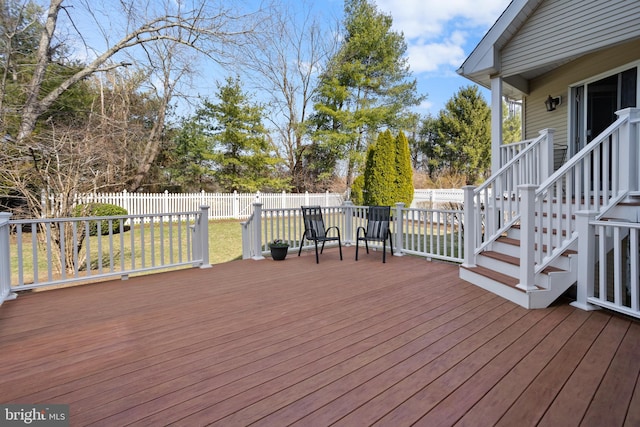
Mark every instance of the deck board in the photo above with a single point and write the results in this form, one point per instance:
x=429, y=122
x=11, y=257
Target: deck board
x=337, y=343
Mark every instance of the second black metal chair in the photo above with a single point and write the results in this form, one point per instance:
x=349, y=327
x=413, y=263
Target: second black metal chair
x=378, y=219
x=314, y=230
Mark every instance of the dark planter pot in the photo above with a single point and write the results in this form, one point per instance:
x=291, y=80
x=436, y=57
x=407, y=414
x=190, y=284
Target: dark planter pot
x=279, y=253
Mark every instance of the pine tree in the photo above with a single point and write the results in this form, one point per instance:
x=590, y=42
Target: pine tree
x=242, y=158
x=366, y=86
x=464, y=134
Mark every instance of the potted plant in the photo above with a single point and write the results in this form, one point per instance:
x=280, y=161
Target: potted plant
x=279, y=249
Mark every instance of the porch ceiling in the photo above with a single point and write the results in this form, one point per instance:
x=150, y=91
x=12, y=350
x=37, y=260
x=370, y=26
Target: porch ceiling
x=297, y=342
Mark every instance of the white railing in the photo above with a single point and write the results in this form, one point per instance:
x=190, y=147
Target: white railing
x=47, y=252
x=494, y=206
x=430, y=233
x=609, y=270
x=223, y=205
x=509, y=151
x=433, y=233
x=594, y=179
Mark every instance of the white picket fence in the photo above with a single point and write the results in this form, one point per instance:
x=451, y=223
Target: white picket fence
x=232, y=205
x=436, y=198
x=222, y=205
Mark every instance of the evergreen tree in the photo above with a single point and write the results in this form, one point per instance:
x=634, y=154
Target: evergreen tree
x=404, y=171
x=242, y=158
x=357, y=191
x=511, y=125
x=380, y=175
x=464, y=134
x=366, y=86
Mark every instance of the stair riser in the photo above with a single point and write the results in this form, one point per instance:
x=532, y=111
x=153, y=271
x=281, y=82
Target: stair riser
x=515, y=233
x=507, y=249
x=497, y=265
x=514, y=251
x=513, y=295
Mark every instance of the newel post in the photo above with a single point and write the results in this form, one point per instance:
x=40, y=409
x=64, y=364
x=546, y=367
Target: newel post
x=398, y=226
x=347, y=209
x=546, y=155
x=256, y=233
x=586, y=259
x=469, y=227
x=527, y=237
x=5, y=259
x=628, y=137
x=203, y=236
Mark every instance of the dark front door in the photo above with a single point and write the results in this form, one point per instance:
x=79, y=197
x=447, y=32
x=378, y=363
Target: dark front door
x=603, y=98
x=595, y=112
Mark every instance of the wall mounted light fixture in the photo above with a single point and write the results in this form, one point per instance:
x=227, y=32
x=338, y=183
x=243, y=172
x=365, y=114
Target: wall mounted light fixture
x=552, y=103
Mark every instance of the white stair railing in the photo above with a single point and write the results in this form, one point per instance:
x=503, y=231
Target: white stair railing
x=591, y=180
x=494, y=206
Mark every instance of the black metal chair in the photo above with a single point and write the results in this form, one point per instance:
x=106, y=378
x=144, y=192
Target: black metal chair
x=314, y=230
x=378, y=219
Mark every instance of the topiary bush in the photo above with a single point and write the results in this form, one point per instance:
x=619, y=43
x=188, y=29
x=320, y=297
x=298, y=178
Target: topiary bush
x=100, y=209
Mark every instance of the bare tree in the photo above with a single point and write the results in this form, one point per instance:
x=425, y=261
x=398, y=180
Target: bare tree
x=291, y=51
x=204, y=28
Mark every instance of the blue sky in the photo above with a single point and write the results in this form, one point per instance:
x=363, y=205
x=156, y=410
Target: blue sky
x=440, y=34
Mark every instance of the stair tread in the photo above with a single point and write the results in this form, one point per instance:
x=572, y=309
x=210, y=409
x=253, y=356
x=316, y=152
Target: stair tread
x=516, y=261
x=516, y=242
x=502, y=257
x=494, y=275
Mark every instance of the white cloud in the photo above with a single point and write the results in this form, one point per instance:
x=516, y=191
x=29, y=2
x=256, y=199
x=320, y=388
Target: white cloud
x=430, y=57
x=425, y=105
x=436, y=31
x=428, y=18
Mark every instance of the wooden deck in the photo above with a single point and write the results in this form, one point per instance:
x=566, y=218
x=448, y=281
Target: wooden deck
x=347, y=343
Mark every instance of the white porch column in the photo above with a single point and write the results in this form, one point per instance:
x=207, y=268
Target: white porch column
x=496, y=123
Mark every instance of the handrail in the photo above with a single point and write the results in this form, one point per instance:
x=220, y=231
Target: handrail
x=587, y=181
x=499, y=195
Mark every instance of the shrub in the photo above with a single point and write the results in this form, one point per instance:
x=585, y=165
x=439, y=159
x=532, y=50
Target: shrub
x=357, y=196
x=100, y=209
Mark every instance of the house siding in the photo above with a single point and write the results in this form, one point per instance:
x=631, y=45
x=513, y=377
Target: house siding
x=564, y=29
x=558, y=82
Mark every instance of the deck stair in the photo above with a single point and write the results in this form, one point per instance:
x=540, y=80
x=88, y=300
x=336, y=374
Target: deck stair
x=497, y=268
